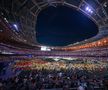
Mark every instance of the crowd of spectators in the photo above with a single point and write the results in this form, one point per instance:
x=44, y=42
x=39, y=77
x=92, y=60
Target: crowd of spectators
x=53, y=79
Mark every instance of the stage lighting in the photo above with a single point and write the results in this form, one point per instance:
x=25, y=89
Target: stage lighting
x=6, y=20
x=88, y=9
x=44, y=48
x=15, y=26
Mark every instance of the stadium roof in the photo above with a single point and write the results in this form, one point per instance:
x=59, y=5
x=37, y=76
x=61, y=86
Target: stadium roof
x=25, y=12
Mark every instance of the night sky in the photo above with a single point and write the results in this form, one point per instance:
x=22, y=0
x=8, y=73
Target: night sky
x=61, y=26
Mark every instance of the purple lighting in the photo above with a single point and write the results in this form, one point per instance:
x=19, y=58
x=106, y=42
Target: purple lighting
x=15, y=26
x=88, y=9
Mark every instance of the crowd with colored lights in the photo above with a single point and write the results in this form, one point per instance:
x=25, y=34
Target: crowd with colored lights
x=57, y=79
x=63, y=79
x=39, y=64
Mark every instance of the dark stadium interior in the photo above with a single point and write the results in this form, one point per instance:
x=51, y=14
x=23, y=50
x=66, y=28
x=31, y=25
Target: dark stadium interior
x=53, y=44
x=62, y=25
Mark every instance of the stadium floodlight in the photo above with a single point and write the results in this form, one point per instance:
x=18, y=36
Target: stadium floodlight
x=88, y=9
x=44, y=48
x=91, y=11
x=15, y=26
x=6, y=20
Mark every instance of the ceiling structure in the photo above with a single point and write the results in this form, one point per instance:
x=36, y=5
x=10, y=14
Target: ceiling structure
x=62, y=25
x=23, y=13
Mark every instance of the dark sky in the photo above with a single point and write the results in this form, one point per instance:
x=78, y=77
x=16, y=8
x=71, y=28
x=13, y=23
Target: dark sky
x=61, y=25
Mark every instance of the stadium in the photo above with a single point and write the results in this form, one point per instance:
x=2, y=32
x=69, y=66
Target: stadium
x=54, y=44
